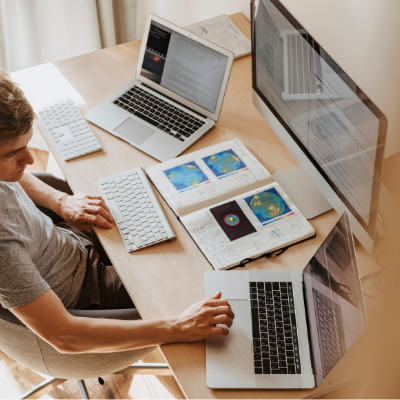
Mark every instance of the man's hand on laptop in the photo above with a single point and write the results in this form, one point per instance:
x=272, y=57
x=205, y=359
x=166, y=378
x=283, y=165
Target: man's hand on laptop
x=84, y=211
x=200, y=320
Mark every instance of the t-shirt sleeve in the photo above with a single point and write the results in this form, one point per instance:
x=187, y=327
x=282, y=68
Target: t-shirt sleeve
x=20, y=280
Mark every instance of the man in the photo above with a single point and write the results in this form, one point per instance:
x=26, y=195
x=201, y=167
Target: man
x=45, y=269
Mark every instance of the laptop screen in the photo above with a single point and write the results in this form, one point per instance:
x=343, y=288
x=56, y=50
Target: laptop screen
x=184, y=66
x=334, y=300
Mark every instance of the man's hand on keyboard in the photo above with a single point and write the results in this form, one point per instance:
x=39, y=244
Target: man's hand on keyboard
x=85, y=210
x=200, y=320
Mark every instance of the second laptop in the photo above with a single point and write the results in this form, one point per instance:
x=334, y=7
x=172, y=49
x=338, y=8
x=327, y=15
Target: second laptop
x=177, y=94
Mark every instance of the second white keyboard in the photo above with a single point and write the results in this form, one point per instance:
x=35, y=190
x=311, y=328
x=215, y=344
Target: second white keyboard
x=136, y=210
x=68, y=129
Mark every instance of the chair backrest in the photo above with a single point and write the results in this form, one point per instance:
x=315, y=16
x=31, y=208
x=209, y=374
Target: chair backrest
x=24, y=346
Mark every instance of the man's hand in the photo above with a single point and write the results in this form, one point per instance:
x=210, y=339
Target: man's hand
x=85, y=210
x=82, y=210
x=200, y=320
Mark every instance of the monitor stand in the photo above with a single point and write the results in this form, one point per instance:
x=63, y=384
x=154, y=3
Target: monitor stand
x=303, y=192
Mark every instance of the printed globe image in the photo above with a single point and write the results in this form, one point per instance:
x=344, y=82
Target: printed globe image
x=231, y=219
x=224, y=163
x=186, y=175
x=267, y=205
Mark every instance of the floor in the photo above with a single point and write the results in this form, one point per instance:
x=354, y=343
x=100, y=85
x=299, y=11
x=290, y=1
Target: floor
x=16, y=379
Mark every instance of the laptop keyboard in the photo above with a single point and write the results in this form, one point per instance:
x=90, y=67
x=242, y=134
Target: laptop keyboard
x=330, y=330
x=275, y=343
x=159, y=113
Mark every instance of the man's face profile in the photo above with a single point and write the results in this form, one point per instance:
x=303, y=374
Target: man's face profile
x=14, y=157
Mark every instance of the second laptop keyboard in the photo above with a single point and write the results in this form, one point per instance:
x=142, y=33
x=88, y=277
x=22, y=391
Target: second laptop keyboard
x=159, y=113
x=136, y=210
x=330, y=330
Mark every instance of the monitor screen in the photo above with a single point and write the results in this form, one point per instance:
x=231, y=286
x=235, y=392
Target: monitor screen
x=329, y=119
x=184, y=66
x=334, y=300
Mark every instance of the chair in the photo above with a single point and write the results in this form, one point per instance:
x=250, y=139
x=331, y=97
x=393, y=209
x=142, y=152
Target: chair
x=21, y=344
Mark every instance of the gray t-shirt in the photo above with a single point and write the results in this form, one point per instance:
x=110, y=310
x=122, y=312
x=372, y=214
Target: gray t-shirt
x=35, y=255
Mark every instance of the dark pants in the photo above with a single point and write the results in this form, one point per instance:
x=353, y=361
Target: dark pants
x=102, y=288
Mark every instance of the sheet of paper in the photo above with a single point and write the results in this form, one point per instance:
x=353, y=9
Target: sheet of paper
x=223, y=32
x=208, y=176
x=246, y=226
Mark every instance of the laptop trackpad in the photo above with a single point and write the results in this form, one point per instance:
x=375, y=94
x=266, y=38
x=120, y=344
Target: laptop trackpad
x=239, y=339
x=134, y=131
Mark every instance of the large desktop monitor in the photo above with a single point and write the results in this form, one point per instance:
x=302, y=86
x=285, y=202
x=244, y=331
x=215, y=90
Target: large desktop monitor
x=334, y=130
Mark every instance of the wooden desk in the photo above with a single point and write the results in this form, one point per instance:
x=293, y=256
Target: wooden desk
x=164, y=279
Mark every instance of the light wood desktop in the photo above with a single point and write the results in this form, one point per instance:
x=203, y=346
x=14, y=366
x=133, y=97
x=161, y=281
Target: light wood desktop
x=164, y=279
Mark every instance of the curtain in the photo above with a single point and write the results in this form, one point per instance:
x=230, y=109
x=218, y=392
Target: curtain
x=38, y=31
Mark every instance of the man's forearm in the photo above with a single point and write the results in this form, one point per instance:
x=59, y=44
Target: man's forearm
x=48, y=318
x=93, y=335
x=71, y=334
x=41, y=193
x=96, y=335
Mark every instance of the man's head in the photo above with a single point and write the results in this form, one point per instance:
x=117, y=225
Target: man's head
x=16, y=119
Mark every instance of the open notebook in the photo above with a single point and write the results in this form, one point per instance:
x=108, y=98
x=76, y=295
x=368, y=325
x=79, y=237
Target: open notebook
x=229, y=204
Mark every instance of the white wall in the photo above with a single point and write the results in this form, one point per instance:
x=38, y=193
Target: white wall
x=186, y=12
x=363, y=37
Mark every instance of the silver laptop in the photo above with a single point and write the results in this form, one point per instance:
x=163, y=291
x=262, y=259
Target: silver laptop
x=291, y=327
x=177, y=94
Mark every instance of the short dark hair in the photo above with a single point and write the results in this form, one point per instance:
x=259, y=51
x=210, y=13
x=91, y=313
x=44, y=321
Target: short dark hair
x=16, y=114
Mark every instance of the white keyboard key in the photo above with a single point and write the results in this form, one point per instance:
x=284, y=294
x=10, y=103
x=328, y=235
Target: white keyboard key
x=157, y=235
x=119, y=219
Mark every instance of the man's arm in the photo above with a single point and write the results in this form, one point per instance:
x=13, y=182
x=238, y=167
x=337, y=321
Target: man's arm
x=49, y=319
x=81, y=209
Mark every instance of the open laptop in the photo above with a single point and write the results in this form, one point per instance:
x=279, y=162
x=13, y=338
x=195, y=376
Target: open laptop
x=291, y=327
x=177, y=94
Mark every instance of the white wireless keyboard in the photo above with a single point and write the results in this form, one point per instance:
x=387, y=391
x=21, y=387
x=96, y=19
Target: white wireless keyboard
x=136, y=210
x=68, y=129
